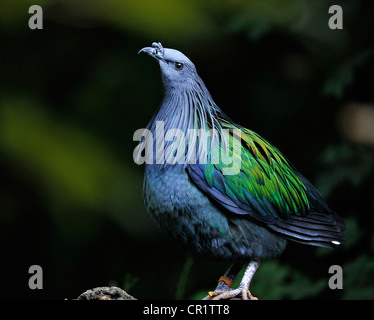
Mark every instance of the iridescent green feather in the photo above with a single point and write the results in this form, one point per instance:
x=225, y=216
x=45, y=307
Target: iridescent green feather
x=265, y=180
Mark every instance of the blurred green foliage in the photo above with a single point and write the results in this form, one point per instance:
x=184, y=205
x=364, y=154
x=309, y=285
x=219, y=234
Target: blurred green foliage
x=72, y=95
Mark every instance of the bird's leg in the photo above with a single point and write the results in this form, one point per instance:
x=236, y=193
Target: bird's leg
x=225, y=281
x=243, y=288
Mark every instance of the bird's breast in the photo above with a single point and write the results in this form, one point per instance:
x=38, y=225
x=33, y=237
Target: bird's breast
x=182, y=210
x=168, y=191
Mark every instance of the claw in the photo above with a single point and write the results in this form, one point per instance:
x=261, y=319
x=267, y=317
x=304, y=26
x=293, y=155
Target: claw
x=244, y=293
x=250, y=296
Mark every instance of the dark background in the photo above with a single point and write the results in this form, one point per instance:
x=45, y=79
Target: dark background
x=72, y=95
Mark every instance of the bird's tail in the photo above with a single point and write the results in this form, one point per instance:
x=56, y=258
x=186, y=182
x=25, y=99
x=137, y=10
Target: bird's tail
x=316, y=228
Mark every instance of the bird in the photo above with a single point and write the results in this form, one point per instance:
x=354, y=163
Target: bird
x=220, y=190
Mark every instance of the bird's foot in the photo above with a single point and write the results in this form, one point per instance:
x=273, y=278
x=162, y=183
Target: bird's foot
x=224, y=284
x=230, y=294
x=224, y=291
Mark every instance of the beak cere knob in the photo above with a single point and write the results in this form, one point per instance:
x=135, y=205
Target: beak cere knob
x=159, y=48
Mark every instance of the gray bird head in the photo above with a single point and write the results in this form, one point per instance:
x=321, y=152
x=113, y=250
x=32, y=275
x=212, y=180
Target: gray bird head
x=177, y=70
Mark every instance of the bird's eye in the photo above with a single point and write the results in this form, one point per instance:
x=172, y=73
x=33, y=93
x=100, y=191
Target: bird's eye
x=178, y=66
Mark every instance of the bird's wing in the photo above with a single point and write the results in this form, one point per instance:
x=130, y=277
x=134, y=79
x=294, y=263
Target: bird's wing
x=255, y=179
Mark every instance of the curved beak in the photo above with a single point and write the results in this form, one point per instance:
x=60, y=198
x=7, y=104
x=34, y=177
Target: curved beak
x=148, y=50
x=156, y=51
